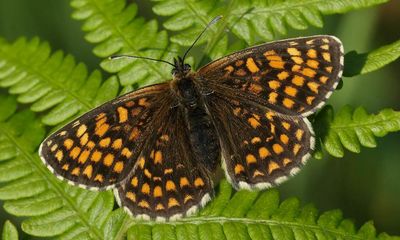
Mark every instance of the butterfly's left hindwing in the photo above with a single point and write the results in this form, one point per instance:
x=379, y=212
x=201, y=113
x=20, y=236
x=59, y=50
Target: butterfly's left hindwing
x=100, y=148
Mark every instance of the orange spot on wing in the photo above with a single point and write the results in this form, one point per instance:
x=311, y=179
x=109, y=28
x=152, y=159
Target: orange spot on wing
x=272, y=166
x=278, y=149
x=59, y=155
x=263, y=152
x=313, y=86
x=296, y=148
x=187, y=198
x=101, y=130
x=291, y=91
x=68, y=143
x=168, y=171
x=255, y=140
x=134, y=181
x=118, y=167
x=125, y=152
x=96, y=156
x=172, y=202
x=147, y=173
x=329, y=69
x=286, y=125
x=184, y=182
x=250, y=159
x=198, y=182
x=143, y=102
x=99, y=178
x=310, y=99
x=84, y=156
x=299, y=134
x=283, y=75
x=239, y=169
x=76, y=171
x=312, y=63
x=75, y=152
x=253, y=122
x=81, y=130
x=134, y=134
x=288, y=103
x=309, y=72
x=293, y=51
x=274, y=84
x=284, y=138
x=157, y=192
x=298, y=81
x=312, y=53
x=255, y=88
x=84, y=139
x=297, y=60
x=108, y=159
x=323, y=79
x=105, y=142
x=286, y=161
x=158, y=157
x=251, y=65
x=117, y=144
x=141, y=162
x=145, y=189
x=143, y=204
x=131, y=196
x=122, y=114
x=88, y=171
x=272, y=97
x=170, y=186
x=160, y=207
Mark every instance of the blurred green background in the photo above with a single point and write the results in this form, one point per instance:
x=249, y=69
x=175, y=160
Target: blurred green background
x=365, y=186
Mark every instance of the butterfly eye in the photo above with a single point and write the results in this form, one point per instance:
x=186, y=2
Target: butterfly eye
x=186, y=67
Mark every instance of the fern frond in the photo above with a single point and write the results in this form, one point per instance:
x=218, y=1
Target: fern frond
x=352, y=129
x=115, y=27
x=28, y=189
x=51, y=82
x=356, y=64
x=248, y=215
x=249, y=20
x=9, y=231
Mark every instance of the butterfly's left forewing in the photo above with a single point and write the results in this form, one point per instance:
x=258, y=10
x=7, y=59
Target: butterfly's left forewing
x=292, y=76
x=100, y=148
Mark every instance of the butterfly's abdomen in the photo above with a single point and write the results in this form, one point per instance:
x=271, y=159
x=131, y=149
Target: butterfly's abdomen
x=203, y=137
x=202, y=133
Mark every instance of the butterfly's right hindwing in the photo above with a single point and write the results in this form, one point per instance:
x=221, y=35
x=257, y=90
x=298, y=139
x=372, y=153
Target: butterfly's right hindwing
x=100, y=148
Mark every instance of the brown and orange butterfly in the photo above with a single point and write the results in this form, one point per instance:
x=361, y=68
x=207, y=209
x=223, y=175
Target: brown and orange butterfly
x=159, y=147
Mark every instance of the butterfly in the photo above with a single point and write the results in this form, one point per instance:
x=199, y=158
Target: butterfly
x=160, y=147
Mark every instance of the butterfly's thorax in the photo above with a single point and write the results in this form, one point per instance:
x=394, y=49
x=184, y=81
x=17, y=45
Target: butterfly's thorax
x=202, y=133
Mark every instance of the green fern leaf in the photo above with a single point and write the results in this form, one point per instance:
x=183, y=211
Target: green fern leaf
x=352, y=129
x=115, y=27
x=29, y=189
x=51, y=83
x=247, y=215
x=356, y=64
x=249, y=20
x=9, y=231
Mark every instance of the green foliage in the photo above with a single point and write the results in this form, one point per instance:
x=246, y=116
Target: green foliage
x=115, y=27
x=56, y=88
x=9, y=231
x=250, y=215
x=352, y=129
x=51, y=83
x=28, y=189
x=251, y=21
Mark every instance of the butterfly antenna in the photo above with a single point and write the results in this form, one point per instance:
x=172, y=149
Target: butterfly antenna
x=118, y=56
x=216, y=19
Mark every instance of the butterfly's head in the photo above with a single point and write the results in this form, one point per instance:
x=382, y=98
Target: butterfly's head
x=181, y=69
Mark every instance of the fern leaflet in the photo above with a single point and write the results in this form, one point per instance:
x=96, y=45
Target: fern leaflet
x=9, y=231
x=51, y=83
x=352, y=129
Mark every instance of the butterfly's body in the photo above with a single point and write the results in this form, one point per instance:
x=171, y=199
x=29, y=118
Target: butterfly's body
x=186, y=88
x=160, y=146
